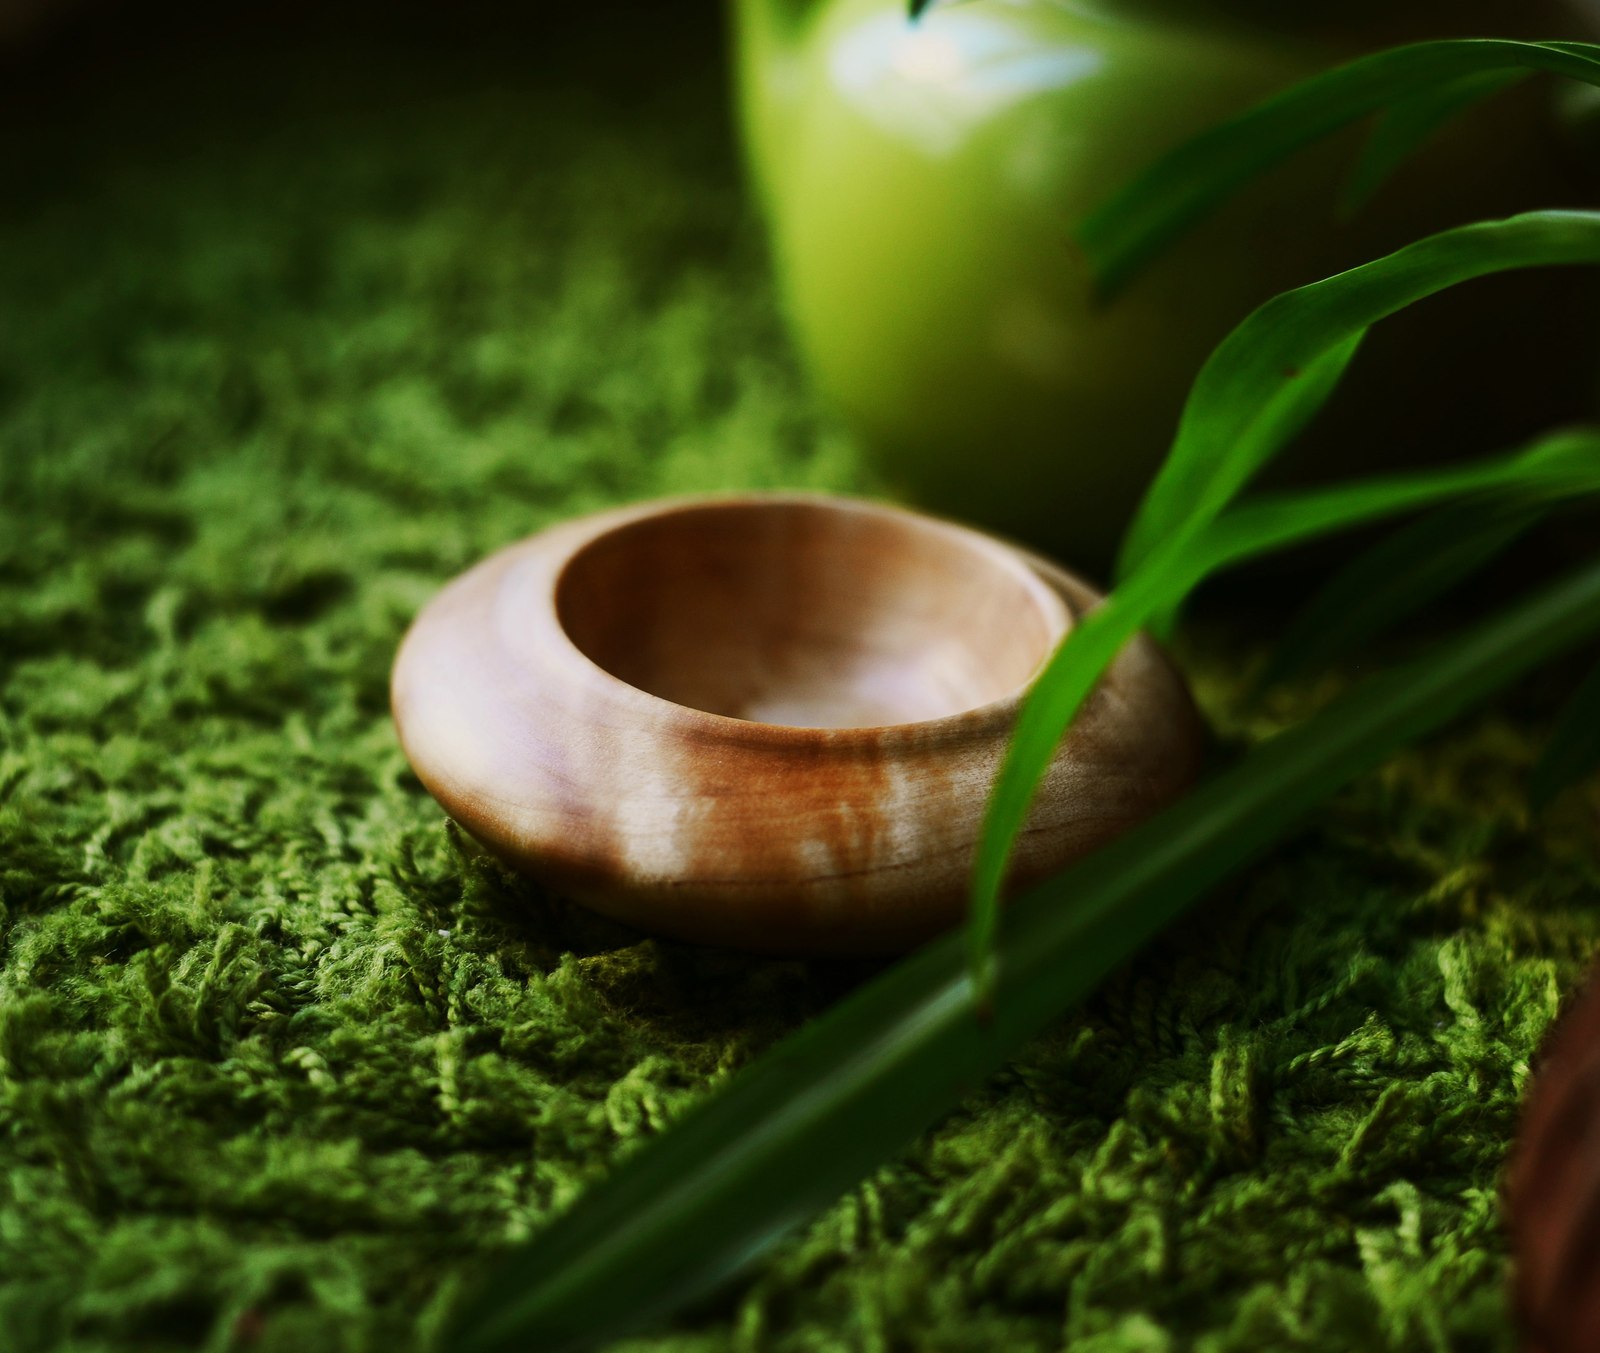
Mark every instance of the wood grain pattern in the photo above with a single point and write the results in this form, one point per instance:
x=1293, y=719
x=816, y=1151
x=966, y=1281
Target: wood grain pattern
x=1553, y=1188
x=770, y=722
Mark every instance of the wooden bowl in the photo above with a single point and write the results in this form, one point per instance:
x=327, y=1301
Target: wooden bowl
x=769, y=722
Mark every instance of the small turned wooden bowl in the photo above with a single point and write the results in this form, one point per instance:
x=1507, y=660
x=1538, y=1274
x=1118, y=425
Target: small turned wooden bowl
x=770, y=722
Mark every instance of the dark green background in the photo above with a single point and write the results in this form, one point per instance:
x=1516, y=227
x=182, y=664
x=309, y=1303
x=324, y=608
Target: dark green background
x=301, y=312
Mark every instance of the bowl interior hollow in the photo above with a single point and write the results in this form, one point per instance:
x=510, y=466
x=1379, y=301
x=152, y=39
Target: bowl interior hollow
x=807, y=614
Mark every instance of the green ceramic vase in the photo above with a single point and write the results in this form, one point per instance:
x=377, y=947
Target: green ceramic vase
x=919, y=181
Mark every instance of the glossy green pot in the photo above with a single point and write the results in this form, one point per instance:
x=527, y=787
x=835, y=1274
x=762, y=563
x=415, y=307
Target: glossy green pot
x=920, y=180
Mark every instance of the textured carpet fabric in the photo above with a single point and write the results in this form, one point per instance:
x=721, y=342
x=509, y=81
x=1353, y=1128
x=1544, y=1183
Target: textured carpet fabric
x=286, y=343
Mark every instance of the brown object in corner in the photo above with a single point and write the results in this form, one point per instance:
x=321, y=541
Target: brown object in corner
x=770, y=722
x=1553, y=1188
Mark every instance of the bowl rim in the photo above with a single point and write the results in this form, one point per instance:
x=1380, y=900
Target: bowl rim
x=554, y=643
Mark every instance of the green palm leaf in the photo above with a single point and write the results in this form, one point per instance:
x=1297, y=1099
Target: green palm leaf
x=1277, y=368
x=1265, y=380
x=1408, y=125
x=1395, y=579
x=1565, y=465
x=1573, y=752
x=1181, y=188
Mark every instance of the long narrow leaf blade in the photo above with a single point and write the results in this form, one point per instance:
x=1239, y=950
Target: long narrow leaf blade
x=1181, y=188
x=1233, y=422
x=851, y=1089
x=1565, y=464
x=1395, y=579
x=1573, y=752
x=1410, y=123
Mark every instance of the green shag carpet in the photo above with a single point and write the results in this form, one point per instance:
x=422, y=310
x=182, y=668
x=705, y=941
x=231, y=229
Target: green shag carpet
x=287, y=338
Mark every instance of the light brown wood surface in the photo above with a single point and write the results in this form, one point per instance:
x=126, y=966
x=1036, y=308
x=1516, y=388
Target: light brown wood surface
x=769, y=722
